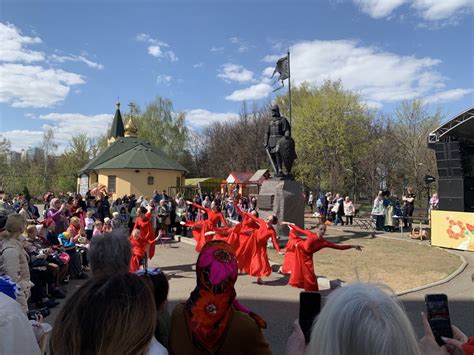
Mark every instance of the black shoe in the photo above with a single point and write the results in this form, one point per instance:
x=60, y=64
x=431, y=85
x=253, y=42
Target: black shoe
x=58, y=294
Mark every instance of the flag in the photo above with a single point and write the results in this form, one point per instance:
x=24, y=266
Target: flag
x=283, y=69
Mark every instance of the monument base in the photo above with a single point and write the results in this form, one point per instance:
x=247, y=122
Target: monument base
x=284, y=199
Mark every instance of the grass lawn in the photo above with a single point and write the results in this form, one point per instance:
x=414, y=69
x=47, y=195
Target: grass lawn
x=398, y=264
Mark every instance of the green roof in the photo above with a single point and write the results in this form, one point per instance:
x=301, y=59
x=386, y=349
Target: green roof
x=132, y=153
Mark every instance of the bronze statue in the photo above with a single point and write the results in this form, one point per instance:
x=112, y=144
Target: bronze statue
x=279, y=145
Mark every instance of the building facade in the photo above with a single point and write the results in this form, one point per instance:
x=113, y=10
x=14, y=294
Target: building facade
x=130, y=165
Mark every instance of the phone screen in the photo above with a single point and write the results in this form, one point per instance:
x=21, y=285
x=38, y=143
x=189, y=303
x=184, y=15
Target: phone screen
x=310, y=306
x=438, y=316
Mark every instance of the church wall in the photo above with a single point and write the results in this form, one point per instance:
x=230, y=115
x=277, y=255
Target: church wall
x=129, y=181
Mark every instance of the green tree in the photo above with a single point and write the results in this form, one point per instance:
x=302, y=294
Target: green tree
x=412, y=125
x=165, y=128
x=80, y=150
x=331, y=128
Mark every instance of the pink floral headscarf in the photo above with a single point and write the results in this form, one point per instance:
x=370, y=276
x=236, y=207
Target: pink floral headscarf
x=208, y=308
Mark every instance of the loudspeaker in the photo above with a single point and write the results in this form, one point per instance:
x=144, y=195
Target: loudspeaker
x=449, y=159
x=456, y=194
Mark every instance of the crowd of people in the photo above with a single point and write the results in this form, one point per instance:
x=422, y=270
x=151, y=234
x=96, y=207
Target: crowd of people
x=388, y=211
x=76, y=237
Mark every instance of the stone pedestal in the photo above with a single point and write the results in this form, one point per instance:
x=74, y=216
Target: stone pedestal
x=284, y=199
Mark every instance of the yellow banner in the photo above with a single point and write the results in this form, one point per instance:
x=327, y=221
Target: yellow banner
x=453, y=230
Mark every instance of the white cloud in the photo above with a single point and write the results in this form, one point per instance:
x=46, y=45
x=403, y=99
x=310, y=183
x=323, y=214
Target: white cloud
x=26, y=85
x=379, y=76
x=216, y=49
x=155, y=51
x=255, y=92
x=379, y=8
x=436, y=10
x=67, y=125
x=234, y=72
x=12, y=44
x=163, y=79
x=157, y=48
x=447, y=95
x=429, y=10
x=34, y=86
x=76, y=58
x=172, y=56
x=273, y=58
x=23, y=139
x=268, y=71
x=242, y=46
x=199, y=118
x=198, y=65
x=373, y=104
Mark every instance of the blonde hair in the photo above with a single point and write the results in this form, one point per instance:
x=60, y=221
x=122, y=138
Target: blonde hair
x=89, y=214
x=75, y=220
x=14, y=226
x=30, y=229
x=97, y=223
x=115, y=214
x=363, y=319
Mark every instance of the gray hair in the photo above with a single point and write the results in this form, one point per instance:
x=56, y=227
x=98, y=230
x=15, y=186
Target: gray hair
x=110, y=253
x=363, y=319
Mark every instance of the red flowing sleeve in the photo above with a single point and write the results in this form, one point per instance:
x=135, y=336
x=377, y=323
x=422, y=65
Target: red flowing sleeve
x=195, y=205
x=327, y=244
x=301, y=230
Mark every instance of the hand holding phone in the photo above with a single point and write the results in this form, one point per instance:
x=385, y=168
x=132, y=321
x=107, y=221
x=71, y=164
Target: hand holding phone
x=310, y=306
x=438, y=316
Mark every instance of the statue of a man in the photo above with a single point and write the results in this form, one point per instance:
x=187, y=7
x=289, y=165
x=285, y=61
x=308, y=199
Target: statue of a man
x=278, y=128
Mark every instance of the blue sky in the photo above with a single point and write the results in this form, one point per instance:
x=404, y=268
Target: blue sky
x=63, y=64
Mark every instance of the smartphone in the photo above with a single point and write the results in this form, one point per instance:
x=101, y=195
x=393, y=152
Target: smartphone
x=438, y=316
x=310, y=306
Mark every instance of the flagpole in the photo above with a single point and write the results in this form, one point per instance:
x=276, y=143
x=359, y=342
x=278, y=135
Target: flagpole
x=289, y=83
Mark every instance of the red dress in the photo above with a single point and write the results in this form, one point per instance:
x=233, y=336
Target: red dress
x=146, y=232
x=252, y=254
x=210, y=224
x=138, y=251
x=299, y=257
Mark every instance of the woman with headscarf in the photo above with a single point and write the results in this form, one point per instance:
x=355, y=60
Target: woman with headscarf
x=211, y=320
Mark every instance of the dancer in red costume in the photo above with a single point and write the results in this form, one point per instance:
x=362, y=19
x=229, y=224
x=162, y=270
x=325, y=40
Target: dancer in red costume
x=299, y=255
x=199, y=229
x=138, y=249
x=252, y=252
x=145, y=225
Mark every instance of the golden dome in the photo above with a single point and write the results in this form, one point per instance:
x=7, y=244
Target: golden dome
x=131, y=129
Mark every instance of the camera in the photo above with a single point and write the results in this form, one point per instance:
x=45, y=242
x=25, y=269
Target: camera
x=35, y=312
